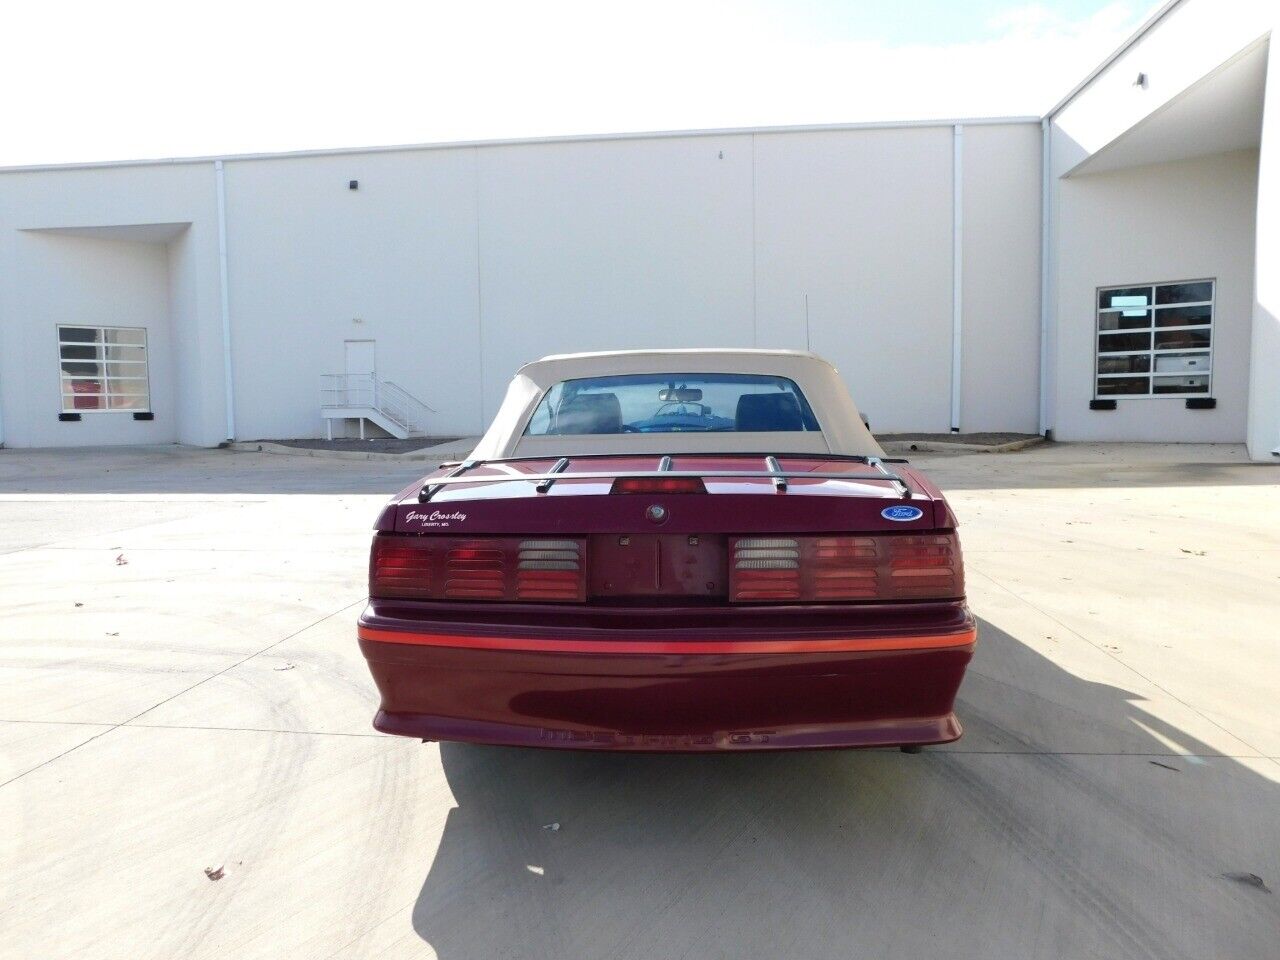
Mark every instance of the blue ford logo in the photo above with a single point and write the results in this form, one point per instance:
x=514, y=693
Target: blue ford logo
x=902, y=513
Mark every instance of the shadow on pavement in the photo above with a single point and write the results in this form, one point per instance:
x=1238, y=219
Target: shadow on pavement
x=1062, y=825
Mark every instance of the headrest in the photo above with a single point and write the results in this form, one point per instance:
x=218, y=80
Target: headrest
x=589, y=413
x=768, y=413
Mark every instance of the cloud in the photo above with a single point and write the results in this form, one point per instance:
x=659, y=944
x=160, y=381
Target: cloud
x=142, y=78
x=1036, y=21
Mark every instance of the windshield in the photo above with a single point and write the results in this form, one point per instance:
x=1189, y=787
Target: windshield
x=673, y=403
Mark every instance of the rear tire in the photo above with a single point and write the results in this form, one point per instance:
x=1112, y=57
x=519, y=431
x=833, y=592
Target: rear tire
x=911, y=748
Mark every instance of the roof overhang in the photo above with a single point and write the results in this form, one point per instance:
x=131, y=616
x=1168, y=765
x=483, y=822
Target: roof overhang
x=1220, y=113
x=131, y=232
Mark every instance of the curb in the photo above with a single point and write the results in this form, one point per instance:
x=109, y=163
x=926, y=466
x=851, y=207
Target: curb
x=446, y=451
x=941, y=446
x=417, y=456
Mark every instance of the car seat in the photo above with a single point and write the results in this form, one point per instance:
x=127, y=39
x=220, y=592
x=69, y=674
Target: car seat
x=589, y=413
x=768, y=413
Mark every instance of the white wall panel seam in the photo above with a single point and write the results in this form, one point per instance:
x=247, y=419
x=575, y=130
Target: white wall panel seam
x=480, y=358
x=224, y=305
x=1046, y=254
x=755, y=287
x=957, y=276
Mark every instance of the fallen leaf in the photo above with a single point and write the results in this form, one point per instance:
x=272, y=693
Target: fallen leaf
x=120, y=560
x=284, y=666
x=553, y=827
x=213, y=873
x=1249, y=879
x=79, y=604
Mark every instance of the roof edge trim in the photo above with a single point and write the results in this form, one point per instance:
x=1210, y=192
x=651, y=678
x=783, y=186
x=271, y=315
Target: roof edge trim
x=1147, y=26
x=523, y=141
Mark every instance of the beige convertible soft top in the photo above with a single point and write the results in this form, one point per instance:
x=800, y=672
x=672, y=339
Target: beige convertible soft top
x=842, y=429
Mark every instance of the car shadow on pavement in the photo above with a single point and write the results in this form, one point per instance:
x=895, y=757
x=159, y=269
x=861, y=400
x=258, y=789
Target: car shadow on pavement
x=1070, y=821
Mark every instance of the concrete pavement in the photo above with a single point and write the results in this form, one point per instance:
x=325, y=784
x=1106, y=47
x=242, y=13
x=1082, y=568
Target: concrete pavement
x=180, y=689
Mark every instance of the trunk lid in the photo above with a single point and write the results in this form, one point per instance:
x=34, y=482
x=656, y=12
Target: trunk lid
x=850, y=496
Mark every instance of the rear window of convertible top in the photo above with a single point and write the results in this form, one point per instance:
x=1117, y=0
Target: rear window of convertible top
x=673, y=403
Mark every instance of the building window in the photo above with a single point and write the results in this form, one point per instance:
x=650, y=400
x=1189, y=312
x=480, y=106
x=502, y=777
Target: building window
x=103, y=368
x=1155, y=340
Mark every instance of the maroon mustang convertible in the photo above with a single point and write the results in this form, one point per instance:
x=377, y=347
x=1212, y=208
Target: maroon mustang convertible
x=670, y=550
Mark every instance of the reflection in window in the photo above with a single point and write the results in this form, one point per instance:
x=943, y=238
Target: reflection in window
x=673, y=403
x=1155, y=340
x=103, y=368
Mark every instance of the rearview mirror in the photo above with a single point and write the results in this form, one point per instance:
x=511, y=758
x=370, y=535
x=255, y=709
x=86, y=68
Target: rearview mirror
x=682, y=395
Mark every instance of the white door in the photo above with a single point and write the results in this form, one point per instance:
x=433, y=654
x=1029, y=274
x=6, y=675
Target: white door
x=360, y=370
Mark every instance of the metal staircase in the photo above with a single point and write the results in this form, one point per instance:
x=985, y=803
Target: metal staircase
x=364, y=397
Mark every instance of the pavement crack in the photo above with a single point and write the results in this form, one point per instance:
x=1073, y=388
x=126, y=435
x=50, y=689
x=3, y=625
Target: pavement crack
x=123, y=723
x=1128, y=666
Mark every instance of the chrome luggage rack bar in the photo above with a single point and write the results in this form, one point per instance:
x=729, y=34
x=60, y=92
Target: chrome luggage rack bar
x=774, y=472
x=429, y=490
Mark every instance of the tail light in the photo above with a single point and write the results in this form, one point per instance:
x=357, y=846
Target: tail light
x=807, y=569
x=765, y=569
x=491, y=568
x=550, y=570
x=399, y=568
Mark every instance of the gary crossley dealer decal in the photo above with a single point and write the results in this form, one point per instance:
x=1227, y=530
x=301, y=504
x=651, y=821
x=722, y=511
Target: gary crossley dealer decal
x=436, y=518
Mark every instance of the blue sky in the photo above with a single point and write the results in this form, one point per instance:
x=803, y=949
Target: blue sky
x=87, y=80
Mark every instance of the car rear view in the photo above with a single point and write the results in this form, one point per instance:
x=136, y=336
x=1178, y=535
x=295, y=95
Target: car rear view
x=576, y=585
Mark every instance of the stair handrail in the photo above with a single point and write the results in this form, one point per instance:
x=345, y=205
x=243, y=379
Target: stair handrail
x=409, y=397
x=404, y=406
x=347, y=390
x=365, y=390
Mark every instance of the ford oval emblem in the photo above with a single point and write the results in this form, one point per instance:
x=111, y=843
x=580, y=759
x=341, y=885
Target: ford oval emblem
x=902, y=513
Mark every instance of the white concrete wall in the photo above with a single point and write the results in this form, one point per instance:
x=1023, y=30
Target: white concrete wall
x=1156, y=222
x=308, y=258
x=462, y=263
x=1001, y=275
x=1191, y=40
x=465, y=263
x=74, y=280
x=612, y=245
x=1165, y=222
x=1264, y=397
x=861, y=224
x=169, y=286
x=196, y=348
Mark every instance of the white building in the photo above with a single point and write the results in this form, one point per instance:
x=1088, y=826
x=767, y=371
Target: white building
x=1108, y=272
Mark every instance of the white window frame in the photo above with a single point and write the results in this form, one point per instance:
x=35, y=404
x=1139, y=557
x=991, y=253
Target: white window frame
x=102, y=345
x=1152, y=352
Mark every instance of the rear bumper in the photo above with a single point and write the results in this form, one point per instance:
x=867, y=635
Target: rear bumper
x=692, y=680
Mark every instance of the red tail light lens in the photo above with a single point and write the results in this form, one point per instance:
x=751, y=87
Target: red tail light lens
x=658, y=485
x=400, y=567
x=492, y=568
x=831, y=569
x=550, y=570
x=844, y=568
x=765, y=568
x=925, y=566
x=475, y=570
